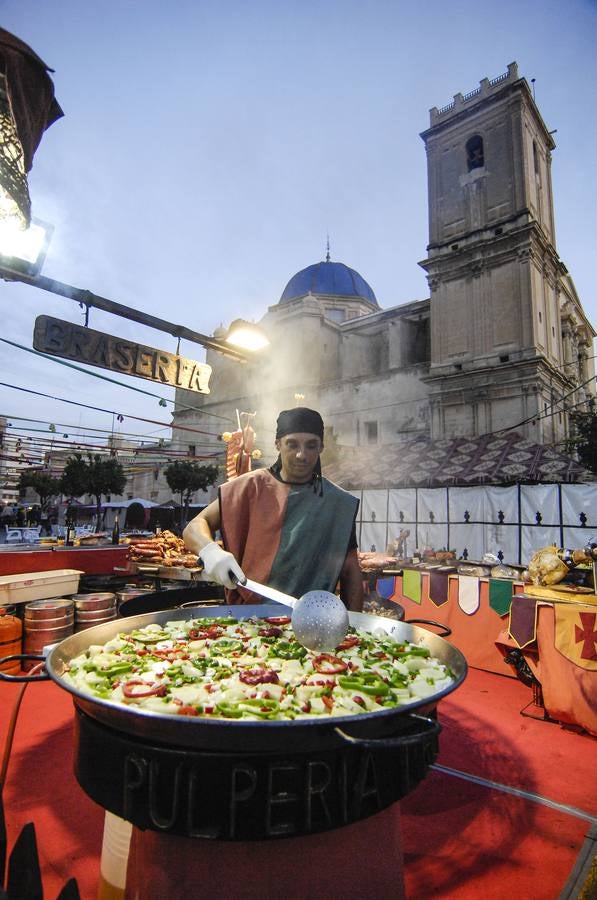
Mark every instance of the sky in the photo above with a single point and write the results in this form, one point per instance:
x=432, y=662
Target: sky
x=209, y=148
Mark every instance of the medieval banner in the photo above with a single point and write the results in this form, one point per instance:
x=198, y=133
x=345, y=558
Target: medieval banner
x=576, y=634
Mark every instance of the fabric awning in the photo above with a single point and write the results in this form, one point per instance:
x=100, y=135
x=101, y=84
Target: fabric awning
x=490, y=459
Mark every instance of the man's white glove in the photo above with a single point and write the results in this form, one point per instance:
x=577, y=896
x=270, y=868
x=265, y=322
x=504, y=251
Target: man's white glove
x=219, y=565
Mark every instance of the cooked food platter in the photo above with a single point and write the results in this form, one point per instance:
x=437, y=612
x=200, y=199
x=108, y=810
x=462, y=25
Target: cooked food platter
x=241, y=733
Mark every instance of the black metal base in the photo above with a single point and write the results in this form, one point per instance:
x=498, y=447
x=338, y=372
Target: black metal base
x=237, y=797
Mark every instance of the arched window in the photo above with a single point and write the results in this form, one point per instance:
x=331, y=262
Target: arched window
x=475, y=158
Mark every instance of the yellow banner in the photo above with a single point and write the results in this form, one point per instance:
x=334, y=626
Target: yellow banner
x=576, y=634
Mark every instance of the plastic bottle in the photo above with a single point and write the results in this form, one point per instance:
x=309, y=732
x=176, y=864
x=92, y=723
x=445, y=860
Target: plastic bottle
x=11, y=641
x=114, y=858
x=116, y=531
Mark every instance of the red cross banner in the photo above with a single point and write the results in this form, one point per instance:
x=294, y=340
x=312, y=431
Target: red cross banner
x=576, y=634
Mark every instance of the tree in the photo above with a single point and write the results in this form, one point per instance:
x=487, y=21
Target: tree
x=97, y=475
x=44, y=485
x=185, y=478
x=584, y=440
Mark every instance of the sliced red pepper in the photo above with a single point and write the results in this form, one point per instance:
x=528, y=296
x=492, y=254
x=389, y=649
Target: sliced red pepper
x=351, y=640
x=328, y=664
x=277, y=620
x=328, y=701
x=151, y=690
x=259, y=676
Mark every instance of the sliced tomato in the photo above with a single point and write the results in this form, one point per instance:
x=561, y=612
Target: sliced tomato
x=259, y=676
x=205, y=632
x=278, y=620
x=328, y=701
x=187, y=711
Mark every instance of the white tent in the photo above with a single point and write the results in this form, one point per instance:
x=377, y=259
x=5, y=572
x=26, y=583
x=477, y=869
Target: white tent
x=124, y=504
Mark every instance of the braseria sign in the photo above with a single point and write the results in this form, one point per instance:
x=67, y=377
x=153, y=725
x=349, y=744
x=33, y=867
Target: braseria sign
x=95, y=348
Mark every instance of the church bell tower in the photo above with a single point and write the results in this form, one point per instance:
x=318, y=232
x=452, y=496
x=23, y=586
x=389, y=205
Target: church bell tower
x=498, y=287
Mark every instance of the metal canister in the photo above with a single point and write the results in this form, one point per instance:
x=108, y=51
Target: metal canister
x=94, y=609
x=46, y=622
x=127, y=592
x=11, y=640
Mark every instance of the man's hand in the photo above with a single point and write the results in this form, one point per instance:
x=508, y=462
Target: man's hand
x=220, y=566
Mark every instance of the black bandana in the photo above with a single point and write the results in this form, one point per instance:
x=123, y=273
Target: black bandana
x=299, y=420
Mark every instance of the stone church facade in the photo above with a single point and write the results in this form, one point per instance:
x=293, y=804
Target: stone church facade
x=501, y=343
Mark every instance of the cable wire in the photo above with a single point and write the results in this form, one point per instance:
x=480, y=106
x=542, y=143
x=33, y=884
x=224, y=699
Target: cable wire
x=130, y=387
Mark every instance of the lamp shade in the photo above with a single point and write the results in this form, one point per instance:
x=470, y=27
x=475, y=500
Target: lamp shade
x=27, y=108
x=246, y=335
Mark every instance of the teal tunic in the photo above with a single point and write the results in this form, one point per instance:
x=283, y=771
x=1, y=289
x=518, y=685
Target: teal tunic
x=289, y=536
x=314, y=539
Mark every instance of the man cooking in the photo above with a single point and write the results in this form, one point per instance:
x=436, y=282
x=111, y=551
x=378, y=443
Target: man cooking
x=286, y=526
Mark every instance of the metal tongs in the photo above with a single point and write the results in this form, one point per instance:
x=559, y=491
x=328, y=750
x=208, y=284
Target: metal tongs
x=319, y=618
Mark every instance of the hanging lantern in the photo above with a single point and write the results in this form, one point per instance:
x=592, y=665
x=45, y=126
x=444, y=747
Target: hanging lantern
x=27, y=108
x=15, y=205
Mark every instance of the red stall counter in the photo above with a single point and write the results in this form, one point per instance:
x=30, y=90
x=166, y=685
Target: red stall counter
x=89, y=560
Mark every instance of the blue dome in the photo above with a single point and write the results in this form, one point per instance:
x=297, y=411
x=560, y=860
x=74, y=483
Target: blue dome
x=331, y=278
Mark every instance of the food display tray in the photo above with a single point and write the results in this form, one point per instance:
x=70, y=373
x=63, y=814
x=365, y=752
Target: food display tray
x=38, y=585
x=172, y=573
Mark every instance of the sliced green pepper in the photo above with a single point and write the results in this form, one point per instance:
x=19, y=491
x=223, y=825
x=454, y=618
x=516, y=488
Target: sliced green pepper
x=146, y=637
x=225, y=646
x=213, y=620
x=111, y=671
x=264, y=708
x=399, y=651
x=288, y=650
x=367, y=683
x=397, y=680
x=417, y=651
x=229, y=710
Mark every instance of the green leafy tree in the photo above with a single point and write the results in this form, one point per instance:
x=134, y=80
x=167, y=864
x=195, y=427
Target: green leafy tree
x=584, y=440
x=185, y=478
x=97, y=475
x=45, y=486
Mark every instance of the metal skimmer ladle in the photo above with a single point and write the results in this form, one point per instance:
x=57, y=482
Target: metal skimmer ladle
x=319, y=618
